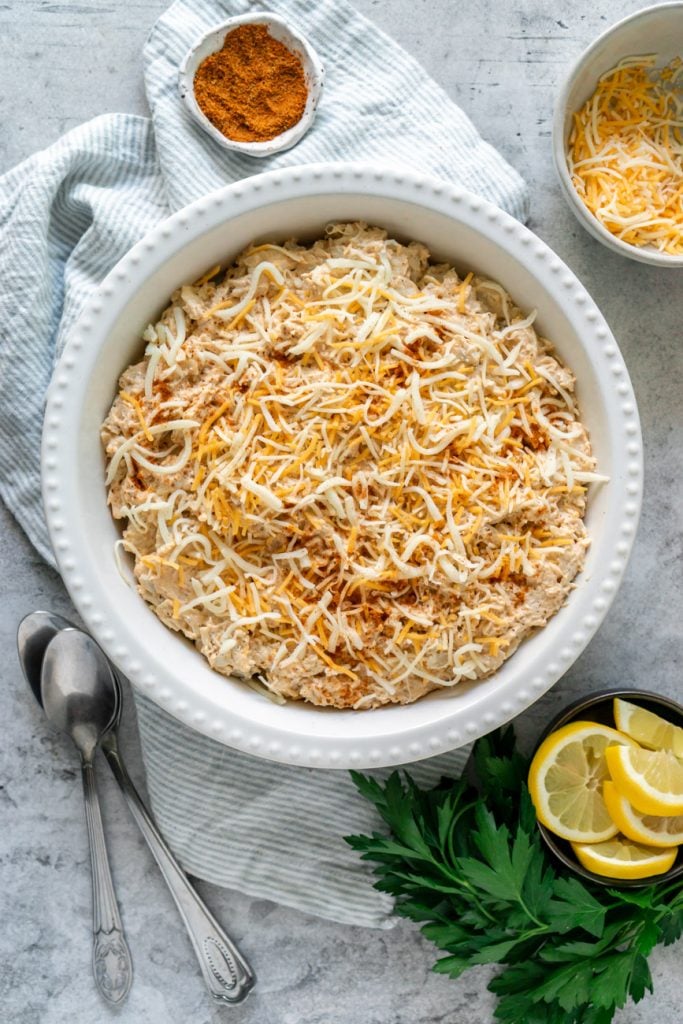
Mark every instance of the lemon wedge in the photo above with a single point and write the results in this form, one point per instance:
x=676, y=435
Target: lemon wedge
x=620, y=858
x=565, y=781
x=648, y=729
x=651, y=829
x=651, y=780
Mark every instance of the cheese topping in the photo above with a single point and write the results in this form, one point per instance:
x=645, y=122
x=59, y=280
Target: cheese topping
x=626, y=153
x=349, y=472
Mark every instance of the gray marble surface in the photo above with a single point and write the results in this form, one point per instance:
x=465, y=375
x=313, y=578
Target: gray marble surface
x=64, y=62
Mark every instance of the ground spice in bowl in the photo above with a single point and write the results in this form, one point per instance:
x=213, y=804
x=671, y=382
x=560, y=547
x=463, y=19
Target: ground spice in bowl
x=253, y=88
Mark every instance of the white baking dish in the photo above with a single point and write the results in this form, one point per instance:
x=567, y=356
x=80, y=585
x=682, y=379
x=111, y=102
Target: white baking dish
x=298, y=202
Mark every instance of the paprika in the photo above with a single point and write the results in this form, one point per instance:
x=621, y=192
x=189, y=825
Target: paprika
x=253, y=88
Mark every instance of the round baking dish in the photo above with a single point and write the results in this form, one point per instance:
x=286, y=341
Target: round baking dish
x=456, y=226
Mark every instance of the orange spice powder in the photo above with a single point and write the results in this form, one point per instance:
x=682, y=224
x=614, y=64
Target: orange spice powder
x=253, y=88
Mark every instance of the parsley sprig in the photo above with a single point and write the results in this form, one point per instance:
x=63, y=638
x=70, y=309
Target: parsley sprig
x=467, y=862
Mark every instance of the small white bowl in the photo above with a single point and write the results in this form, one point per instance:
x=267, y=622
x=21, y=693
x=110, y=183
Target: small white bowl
x=213, y=41
x=654, y=30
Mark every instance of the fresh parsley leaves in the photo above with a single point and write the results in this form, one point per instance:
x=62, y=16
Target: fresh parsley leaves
x=467, y=863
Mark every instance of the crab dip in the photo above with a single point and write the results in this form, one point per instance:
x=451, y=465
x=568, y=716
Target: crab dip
x=350, y=475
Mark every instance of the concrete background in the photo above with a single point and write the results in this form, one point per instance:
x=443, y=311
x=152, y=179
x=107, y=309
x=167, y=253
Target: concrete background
x=64, y=62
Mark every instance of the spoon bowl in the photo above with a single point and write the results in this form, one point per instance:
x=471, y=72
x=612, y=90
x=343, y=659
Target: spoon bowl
x=33, y=635
x=79, y=693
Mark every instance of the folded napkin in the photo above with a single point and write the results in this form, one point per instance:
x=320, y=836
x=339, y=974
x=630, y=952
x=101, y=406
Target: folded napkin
x=66, y=216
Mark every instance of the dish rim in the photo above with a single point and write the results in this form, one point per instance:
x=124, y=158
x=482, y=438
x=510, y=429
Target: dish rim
x=649, y=256
x=68, y=394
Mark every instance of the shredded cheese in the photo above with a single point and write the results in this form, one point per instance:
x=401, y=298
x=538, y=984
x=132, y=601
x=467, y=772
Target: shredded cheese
x=357, y=470
x=626, y=153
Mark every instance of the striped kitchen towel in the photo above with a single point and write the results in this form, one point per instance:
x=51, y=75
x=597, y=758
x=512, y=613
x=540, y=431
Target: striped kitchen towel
x=66, y=216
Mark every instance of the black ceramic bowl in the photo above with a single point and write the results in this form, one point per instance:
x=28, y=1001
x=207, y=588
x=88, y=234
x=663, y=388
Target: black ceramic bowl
x=598, y=708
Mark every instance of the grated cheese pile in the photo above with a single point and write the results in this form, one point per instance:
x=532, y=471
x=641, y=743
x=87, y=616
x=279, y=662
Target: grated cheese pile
x=348, y=472
x=626, y=153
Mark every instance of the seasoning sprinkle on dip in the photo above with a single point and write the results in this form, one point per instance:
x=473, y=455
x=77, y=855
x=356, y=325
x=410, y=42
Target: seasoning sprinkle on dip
x=252, y=89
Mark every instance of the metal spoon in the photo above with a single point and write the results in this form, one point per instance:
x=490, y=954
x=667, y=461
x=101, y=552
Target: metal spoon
x=227, y=975
x=76, y=705
x=33, y=635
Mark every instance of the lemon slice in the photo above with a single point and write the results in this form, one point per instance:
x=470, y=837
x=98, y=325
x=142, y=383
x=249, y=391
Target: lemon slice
x=646, y=728
x=651, y=780
x=565, y=781
x=620, y=858
x=651, y=829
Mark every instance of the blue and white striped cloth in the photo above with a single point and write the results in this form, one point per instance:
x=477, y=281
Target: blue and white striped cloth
x=66, y=216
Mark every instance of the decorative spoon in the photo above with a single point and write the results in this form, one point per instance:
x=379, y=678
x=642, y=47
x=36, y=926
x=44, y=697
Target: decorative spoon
x=75, y=704
x=227, y=975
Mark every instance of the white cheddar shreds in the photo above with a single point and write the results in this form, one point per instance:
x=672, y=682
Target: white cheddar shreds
x=348, y=472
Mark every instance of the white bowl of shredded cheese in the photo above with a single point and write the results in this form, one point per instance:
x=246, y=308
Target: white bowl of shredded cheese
x=621, y=166
x=458, y=228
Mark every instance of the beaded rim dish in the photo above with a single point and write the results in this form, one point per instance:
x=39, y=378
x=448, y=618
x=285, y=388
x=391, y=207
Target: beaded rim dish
x=164, y=666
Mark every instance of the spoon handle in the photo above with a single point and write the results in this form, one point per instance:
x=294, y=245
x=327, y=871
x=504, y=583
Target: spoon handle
x=226, y=973
x=111, y=959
